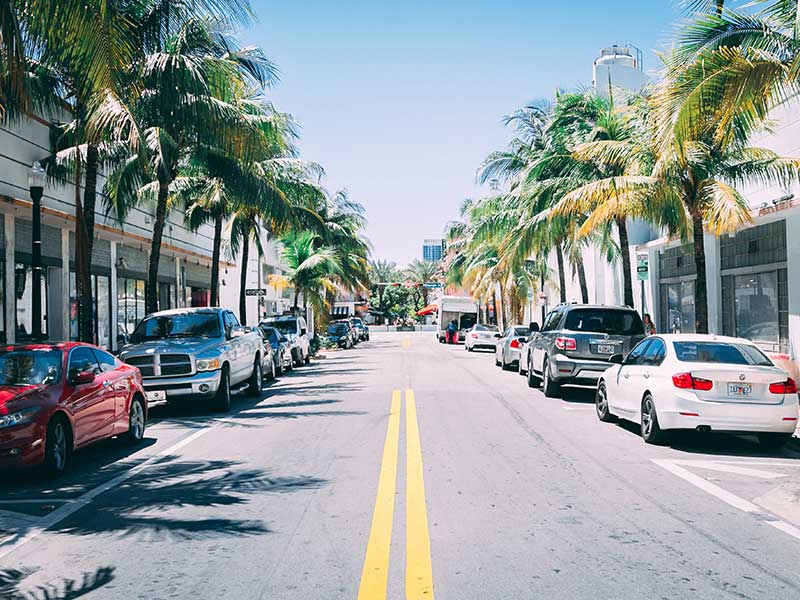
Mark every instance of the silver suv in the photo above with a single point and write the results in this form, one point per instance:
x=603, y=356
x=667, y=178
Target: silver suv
x=576, y=343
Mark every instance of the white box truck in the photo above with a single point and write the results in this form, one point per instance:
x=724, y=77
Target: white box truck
x=462, y=309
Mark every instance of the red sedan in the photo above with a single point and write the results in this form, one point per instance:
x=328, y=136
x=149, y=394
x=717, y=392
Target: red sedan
x=55, y=398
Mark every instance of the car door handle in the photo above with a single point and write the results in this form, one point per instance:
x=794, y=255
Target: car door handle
x=107, y=383
x=626, y=375
x=646, y=375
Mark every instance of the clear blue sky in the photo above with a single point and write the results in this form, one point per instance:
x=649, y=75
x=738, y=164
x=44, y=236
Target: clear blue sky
x=401, y=101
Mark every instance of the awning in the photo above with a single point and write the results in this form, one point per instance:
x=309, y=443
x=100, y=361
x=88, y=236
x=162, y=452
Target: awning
x=430, y=309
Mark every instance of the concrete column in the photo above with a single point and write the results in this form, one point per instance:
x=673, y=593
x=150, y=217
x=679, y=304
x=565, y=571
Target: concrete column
x=179, y=291
x=714, y=283
x=114, y=302
x=793, y=272
x=65, y=291
x=10, y=287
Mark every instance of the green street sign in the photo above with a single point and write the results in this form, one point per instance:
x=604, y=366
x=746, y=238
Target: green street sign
x=642, y=267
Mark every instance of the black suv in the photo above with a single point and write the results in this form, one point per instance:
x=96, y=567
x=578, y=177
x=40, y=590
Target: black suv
x=576, y=342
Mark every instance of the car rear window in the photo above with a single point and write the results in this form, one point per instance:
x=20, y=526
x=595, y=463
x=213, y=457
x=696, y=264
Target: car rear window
x=485, y=328
x=721, y=352
x=598, y=320
x=521, y=331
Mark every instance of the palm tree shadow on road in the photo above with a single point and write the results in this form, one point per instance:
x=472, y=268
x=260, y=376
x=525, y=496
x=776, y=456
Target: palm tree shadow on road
x=12, y=584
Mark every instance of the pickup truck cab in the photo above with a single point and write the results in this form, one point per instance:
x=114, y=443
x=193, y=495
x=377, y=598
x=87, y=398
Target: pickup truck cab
x=195, y=354
x=296, y=330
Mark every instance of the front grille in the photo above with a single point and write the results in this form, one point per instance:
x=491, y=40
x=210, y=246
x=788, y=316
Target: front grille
x=175, y=364
x=143, y=363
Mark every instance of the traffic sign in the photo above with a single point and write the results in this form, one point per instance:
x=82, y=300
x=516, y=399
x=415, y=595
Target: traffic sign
x=432, y=285
x=642, y=267
x=530, y=293
x=255, y=292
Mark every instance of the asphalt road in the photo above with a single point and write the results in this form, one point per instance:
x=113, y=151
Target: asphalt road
x=406, y=469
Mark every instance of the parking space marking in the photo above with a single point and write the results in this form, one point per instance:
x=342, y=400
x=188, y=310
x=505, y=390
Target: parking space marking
x=589, y=407
x=15, y=541
x=676, y=467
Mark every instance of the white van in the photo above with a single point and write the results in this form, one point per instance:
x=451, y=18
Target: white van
x=461, y=308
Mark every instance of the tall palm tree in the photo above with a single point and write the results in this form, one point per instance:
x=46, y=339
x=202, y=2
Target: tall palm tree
x=422, y=272
x=381, y=272
x=311, y=267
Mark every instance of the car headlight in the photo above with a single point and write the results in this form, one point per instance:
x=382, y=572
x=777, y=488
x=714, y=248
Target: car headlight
x=209, y=364
x=20, y=417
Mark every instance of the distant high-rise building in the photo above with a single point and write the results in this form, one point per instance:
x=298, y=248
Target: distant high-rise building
x=433, y=250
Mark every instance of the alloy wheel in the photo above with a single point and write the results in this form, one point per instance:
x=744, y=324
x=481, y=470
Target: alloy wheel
x=647, y=416
x=137, y=420
x=59, y=446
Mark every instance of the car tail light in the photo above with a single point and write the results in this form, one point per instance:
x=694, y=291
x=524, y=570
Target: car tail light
x=685, y=381
x=784, y=387
x=515, y=344
x=566, y=343
x=474, y=336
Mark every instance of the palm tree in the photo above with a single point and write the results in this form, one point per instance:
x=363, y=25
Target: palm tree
x=381, y=272
x=311, y=267
x=422, y=272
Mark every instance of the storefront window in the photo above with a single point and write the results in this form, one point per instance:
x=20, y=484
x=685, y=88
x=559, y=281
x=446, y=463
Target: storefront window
x=200, y=297
x=24, y=294
x=2, y=301
x=101, y=309
x=680, y=307
x=166, y=296
x=756, y=304
x=130, y=305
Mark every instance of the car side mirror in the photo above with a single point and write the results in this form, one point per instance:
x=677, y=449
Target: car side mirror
x=303, y=332
x=82, y=378
x=533, y=327
x=236, y=333
x=497, y=335
x=616, y=359
x=522, y=340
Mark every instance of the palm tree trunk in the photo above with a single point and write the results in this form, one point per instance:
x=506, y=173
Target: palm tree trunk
x=215, y=260
x=151, y=295
x=582, y=278
x=627, y=276
x=243, y=280
x=562, y=281
x=700, y=288
x=296, y=297
x=720, y=6
x=84, y=238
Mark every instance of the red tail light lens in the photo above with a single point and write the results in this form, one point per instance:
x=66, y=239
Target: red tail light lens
x=474, y=336
x=685, y=381
x=515, y=344
x=784, y=387
x=566, y=343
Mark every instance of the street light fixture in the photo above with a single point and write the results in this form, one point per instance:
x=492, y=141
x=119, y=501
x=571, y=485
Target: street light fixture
x=36, y=179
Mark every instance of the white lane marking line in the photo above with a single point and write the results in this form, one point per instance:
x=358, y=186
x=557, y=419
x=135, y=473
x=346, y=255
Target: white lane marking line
x=728, y=468
x=786, y=528
x=707, y=486
x=578, y=407
x=15, y=541
x=37, y=500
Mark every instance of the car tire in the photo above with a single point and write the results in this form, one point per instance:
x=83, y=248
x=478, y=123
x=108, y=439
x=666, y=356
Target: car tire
x=522, y=371
x=137, y=421
x=496, y=361
x=533, y=379
x=290, y=366
x=222, y=401
x=601, y=404
x=255, y=380
x=503, y=364
x=550, y=388
x=651, y=431
x=774, y=441
x=308, y=359
x=57, y=449
x=279, y=370
x=272, y=374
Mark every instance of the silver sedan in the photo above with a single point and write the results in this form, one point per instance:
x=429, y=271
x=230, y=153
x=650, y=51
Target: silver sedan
x=506, y=353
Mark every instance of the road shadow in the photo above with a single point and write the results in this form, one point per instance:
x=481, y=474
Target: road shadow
x=12, y=585
x=577, y=394
x=147, y=504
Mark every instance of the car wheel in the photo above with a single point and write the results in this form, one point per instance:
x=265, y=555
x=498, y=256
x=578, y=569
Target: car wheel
x=503, y=364
x=222, y=401
x=290, y=364
x=651, y=431
x=57, y=446
x=254, y=383
x=549, y=387
x=308, y=358
x=533, y=380
x=271, y=374
x=136, y=422
x=281, y=360
x=601, y=404
x=496, y=360
x=774, y=441
x=522, y=370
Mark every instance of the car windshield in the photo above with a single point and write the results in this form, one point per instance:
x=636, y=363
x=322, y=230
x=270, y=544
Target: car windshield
x=721, y=352
x=598, y=320
x=285, y=326
x=30, y=367
x=270, y=333
x=337, y=329
x=204, y=324
x=521, y=331
x=485, y=328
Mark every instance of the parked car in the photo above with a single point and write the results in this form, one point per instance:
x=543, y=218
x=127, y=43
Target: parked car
x=341, y=334
x=195, y=354
x=576, y=343
x=506, y=353
x=703, y=382
x=296, y=330
x=269, y=369
x=361, y=328
x=281, y=348
x=481, y=336
x=55, y=398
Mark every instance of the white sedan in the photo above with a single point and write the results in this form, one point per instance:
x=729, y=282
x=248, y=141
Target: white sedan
x=702, y=382
x=481, y=336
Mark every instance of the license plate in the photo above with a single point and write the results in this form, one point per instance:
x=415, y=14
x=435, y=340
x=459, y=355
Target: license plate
x=605, y=348
x=740, y=389
x=156, y=395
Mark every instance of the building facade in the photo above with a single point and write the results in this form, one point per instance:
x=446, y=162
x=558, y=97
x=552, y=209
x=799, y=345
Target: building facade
x=119, y=260
x=433, y=249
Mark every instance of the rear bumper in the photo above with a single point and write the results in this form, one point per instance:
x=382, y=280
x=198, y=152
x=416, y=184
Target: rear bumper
x=201, y=386
x=724, y=416
x=564, y=369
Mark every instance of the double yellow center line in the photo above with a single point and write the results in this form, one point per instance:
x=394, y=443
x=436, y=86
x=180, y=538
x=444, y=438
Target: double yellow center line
x=419, y=573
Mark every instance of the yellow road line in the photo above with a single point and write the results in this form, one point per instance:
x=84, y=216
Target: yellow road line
x=419, y=573
x=376, y=561
x=406, y=342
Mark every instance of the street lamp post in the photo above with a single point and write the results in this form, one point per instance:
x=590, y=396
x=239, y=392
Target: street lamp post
x=36, y=180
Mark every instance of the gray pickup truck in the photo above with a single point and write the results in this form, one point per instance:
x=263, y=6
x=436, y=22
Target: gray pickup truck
x=195, y=353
